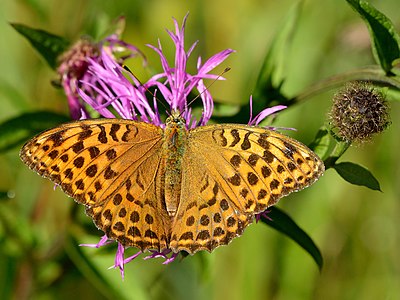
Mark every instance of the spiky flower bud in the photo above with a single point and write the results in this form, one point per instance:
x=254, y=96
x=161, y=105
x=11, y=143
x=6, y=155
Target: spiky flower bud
x=358, y=112
x=74, y=62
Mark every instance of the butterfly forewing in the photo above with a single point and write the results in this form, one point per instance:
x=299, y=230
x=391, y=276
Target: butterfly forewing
x=235, y=171
x=113, y=167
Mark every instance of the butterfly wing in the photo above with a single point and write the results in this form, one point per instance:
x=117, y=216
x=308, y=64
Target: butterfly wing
x=112, y=167
x=229, y=174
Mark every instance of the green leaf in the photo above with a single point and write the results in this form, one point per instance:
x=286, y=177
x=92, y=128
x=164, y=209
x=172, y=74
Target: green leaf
x=280, y=221
x=271, y=77
x=48, y=45
x=385, y=39
x=321, y=142
x=357, y=175
x=15, y=131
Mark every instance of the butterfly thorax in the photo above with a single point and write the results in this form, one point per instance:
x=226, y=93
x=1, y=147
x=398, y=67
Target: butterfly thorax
x=173, y=150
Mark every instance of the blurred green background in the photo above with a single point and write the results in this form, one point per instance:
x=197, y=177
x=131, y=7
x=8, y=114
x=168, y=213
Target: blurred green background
x=356, y=229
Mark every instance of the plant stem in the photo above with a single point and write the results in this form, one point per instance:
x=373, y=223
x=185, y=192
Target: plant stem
x=336, y=153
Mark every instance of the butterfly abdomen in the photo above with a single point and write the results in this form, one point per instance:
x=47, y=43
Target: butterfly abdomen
x=173, y=150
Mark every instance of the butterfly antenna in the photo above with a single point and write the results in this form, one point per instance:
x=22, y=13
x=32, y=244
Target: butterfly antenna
x=150, y=92
x=207, y=88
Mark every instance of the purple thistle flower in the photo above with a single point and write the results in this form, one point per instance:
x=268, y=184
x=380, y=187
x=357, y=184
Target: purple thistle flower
x=178, y=83
x=108, y=85
x=114, y=92
x=74, y=65
x=72, y=68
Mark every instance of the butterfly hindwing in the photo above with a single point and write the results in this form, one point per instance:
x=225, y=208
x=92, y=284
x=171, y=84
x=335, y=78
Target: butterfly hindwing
x=207, y=217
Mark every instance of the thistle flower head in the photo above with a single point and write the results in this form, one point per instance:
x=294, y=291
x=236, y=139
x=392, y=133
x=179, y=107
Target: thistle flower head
x=74, y=65
x=358, y=112
x=121, y=91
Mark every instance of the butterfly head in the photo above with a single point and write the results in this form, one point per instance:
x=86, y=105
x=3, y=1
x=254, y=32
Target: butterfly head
x=175, y=119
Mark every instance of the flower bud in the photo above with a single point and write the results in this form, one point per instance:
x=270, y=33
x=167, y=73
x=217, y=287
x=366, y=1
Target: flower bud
x=74, y=62
x=358, y=112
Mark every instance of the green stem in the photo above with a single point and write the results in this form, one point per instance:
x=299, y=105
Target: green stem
x=336, y=153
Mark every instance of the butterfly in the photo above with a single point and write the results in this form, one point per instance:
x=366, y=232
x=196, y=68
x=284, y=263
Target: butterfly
x=171, y=189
